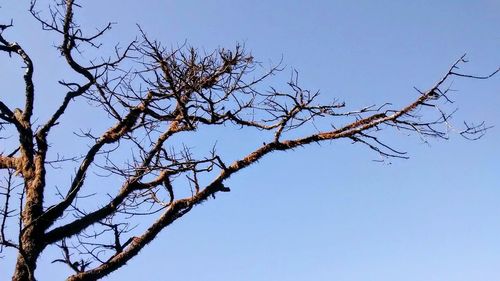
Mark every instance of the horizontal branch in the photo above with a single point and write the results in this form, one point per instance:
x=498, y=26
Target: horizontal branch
x=7, y=162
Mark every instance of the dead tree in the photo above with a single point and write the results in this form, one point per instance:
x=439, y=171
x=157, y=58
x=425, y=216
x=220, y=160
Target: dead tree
x=152, y=94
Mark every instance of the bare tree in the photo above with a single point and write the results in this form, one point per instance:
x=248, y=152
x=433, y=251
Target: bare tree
x=151, y=94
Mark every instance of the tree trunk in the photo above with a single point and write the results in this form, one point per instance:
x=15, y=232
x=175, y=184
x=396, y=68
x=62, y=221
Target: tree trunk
x=26, y=260
x=31, y=240
x=25, y=269
x=32, y=246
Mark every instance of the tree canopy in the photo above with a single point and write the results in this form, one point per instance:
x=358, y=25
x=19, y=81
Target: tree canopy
x=153, y=98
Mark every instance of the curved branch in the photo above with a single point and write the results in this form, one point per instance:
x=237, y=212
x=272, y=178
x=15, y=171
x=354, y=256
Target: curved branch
x=110, y=136
x=132, y=185
x=175, y=211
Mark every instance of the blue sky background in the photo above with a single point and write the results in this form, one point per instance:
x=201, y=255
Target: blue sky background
x=325, y=212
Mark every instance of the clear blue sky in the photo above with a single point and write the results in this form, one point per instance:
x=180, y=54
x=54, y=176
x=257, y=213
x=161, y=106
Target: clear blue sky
x=326, y=212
